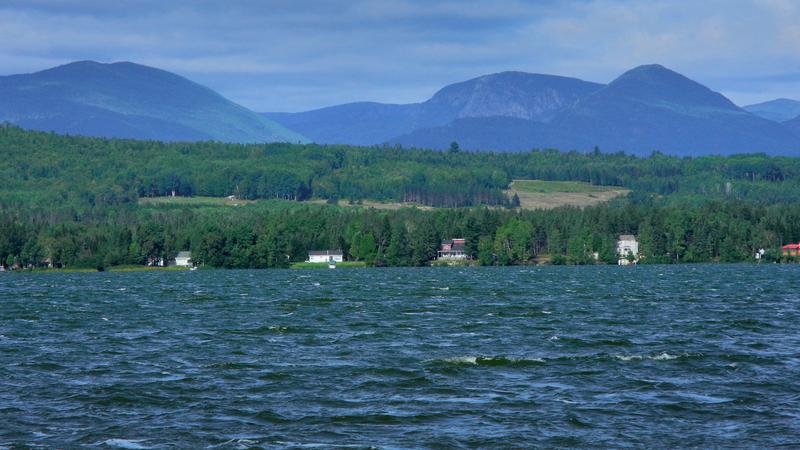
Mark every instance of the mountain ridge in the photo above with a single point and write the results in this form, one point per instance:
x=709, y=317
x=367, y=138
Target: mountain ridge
x=648, y=108
x=778, y=110
x=512, y=94
x=129, y=100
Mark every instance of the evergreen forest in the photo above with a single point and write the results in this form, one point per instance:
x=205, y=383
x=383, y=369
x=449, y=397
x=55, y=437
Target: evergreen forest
x=80, y=202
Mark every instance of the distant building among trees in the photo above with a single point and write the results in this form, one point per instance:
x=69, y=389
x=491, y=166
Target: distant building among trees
x=791, y=250
x=453, y=249
x=325, y=256
x=627, y=250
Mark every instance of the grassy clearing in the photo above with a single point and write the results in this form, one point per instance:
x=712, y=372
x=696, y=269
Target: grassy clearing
x=346, y=264
x=269, y=203
x=53, y=270
x=547, y=187
x=134, y=268
x=533, y=194
x=128, y=268
x=390, y=206
x=540, y=194
x=192, y=201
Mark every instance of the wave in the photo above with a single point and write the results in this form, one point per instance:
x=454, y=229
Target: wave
x=663, y=356
x=595, y=342
x=511, y=361
x=478, y=360
x=130, y=444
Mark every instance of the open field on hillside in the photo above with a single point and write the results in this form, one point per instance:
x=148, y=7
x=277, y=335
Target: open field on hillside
x=540, y=194
x=533, y=194
x=277, y=203
x=193, y=201
x=390, y=206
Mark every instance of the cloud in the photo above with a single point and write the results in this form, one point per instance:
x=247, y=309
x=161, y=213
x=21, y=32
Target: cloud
x=295, y=55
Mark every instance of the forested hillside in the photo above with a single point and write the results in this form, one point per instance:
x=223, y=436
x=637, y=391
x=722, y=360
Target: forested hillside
x=84, y=173
x=76, y=202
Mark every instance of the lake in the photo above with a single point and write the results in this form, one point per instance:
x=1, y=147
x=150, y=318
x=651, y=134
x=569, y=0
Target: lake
x=649, y=356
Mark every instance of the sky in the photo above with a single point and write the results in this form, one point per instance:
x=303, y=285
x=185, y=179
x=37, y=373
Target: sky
x=295, y=55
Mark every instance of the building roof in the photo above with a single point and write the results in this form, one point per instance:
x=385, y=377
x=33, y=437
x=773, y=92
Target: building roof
x=791, y=247
x=184, y=254
x=454, y=241
x=627, y=237
x=325, y=253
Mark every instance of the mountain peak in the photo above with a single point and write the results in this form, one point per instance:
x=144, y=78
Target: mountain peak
x=517, y=94
x=124, y=99
x=653, y=74
x=778, y=110
x=654, y=67
x=94, y=67
x=657, y=85
x=84, y=62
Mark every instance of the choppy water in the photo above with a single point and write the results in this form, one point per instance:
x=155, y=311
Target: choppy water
x=683, y=356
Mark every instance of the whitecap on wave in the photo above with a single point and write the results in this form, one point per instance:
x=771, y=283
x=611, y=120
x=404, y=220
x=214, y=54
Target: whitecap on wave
x=491, y=360
x=131, y=444
x=663, y=356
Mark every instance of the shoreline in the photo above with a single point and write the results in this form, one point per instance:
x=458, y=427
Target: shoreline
x=363, y=265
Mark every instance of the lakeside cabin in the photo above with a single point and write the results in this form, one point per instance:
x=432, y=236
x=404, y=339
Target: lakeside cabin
x=791, y=250
x=627, y=250
x=453, y=249
x=184, y=259
x=325, y=256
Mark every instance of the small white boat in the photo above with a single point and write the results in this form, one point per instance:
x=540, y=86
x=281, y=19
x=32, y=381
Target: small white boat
x=331, y=264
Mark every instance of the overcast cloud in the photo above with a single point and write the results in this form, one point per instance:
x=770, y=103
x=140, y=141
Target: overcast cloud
x=297, y=55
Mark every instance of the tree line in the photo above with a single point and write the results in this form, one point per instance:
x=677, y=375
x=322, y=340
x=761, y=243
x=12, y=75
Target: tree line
x=264, y=234
x=75, y=201
x=81, y=175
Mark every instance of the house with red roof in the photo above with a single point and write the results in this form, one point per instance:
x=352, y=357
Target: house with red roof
x=791, y=250
x=453, y=249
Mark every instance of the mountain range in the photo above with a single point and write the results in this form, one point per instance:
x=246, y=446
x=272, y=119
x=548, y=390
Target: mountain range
x=531, y=97
x=778, y=110
x=794, y=125
x=129, y=101
x=649, y=108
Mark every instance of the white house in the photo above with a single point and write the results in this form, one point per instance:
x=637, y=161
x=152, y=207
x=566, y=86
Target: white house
x=627, y=246
x=325, y=256
x=184, y=259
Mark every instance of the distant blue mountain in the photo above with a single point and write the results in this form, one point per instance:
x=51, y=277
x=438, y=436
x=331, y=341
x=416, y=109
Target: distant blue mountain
x=653, y=108
x=504, y=134
x=794, y=125
x=779, y=110
x=130, y=101
x=649, y=108
x=518, y=95
x=365, y=123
